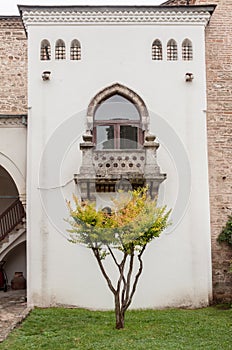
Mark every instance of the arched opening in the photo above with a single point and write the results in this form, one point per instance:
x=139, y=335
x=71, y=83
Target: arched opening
x=157, y=53
x=187, y=50
x=123, y=91
x=12, y=212
x=8, y=190
x=45, y=50
x=172, y=54
x=60, y=50
x=117, y=124
x=75, y=50
x=118, y=151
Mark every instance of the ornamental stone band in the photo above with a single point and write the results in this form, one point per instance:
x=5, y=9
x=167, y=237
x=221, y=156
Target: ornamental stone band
x=114, y=15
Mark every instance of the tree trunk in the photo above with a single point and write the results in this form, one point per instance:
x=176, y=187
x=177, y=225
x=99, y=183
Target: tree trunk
x=119, y=313
x=119, y=321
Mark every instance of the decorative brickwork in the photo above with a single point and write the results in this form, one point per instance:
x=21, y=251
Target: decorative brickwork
x=13, y=66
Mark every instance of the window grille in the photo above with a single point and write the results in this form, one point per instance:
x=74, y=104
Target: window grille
x=60, y=50
x=187, y=50
x=157, y=50
x=172, y=50
x=45, y=50
x=75, y=50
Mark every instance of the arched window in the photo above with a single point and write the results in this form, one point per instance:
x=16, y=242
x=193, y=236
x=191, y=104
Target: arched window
x=75, y=50
x=60, y=50
x=157, y=50
x=187, y=50
x=172, y=50
x=45, y=50
x=117, y=124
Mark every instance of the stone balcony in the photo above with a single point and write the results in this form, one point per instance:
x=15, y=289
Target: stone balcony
x=103, y=170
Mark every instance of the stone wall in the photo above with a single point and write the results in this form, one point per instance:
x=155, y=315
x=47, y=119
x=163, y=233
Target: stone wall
x=13, y=66
x=219, y=119
x=219, y=124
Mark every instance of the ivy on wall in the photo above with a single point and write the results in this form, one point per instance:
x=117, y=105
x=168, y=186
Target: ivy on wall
x=226, y=233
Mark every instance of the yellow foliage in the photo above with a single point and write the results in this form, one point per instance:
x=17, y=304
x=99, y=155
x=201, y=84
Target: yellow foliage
x=131, y=225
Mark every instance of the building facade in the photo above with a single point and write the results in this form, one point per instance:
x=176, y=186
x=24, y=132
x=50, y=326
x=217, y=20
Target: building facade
x=81, y=61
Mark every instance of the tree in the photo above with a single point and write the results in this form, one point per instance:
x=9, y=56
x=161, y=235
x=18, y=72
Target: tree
x=127, y=228
x=226, y=235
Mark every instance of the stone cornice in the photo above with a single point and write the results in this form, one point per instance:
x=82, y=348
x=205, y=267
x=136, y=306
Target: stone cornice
x=13, y=121
x=199, y=15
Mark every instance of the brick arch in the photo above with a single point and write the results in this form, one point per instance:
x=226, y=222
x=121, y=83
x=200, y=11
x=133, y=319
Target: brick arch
x=123, y=91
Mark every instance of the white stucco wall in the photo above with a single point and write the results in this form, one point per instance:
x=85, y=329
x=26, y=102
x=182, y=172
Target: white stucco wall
x=177, y=268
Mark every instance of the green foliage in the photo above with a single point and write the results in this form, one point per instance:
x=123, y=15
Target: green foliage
x=226, y=234
x=133, y=223
x=67, y=329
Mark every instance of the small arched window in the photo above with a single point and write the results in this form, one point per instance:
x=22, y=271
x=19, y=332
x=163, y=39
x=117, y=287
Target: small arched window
x=117, y=124
x=172, y=50
x=157, y=50
x=45, y=50
x=60, y=50
x=75, y=50
x=187, y=50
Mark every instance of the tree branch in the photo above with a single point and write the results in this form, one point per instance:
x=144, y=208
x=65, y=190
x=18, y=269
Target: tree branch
x=129, y=277
x=136, y=277
x=123, y=278
x=96, y=253
x=113, y=256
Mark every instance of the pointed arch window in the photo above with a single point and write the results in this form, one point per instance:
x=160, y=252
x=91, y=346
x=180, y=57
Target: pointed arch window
x=60, y=50
x=75, y=50
x=157, y=53
x=45, y=50
x=187, y=50
x=117, y=124
x=172, y=54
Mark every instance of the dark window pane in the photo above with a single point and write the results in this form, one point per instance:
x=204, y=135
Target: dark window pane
x=105, y=137
x=128, y=137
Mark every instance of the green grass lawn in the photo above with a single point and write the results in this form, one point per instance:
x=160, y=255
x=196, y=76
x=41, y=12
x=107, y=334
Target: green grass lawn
x=58, y=328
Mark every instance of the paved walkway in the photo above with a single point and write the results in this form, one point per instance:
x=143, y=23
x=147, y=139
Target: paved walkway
x=13, y=309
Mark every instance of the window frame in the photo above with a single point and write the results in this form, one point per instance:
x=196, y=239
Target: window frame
x=157, y=50
x=187, y=50
x=60, y=50
x=172, y=50
x=75, y=50
x=117, y=123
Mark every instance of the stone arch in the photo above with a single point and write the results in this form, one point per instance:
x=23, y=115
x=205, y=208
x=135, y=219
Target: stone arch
x=14, y=172
x=19, y=240
x=123, y=91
